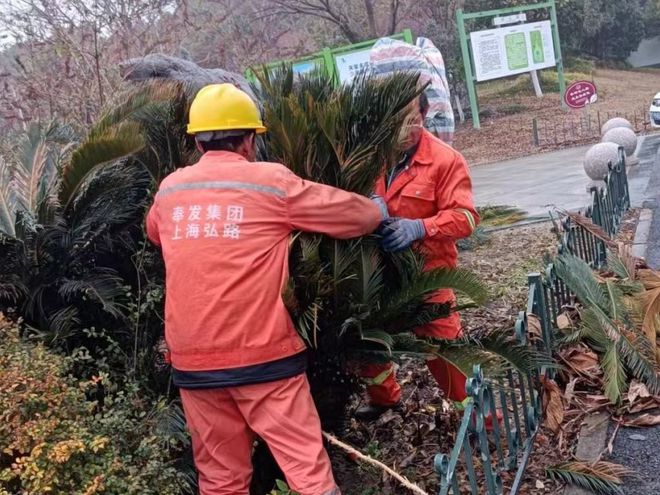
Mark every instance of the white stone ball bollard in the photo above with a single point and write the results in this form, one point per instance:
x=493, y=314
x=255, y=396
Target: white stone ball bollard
x=598, y=158
x=614, y=123
x=623, y=137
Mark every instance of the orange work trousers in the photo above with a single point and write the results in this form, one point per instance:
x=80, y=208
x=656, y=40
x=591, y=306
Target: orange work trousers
x=382, y=386
x=223, y=424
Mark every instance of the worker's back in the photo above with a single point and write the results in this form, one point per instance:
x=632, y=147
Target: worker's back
x=224, y=227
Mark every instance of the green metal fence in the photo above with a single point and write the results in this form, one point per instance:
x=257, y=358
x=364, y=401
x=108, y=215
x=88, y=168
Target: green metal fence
x=485, y=448
x=610, y=202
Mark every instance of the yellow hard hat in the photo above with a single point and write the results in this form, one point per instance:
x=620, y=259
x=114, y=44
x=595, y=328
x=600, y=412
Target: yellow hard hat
x=223, y=107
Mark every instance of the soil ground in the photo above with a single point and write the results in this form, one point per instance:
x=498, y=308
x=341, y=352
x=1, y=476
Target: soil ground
x=510, y=109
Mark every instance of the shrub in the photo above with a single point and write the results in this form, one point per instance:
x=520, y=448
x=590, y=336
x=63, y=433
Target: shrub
x=55, y=440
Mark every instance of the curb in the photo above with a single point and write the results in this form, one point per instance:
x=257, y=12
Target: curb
x=640, y=243
x=592, y=441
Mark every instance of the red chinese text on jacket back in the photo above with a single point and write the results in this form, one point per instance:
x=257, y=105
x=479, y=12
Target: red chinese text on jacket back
x=224, y=226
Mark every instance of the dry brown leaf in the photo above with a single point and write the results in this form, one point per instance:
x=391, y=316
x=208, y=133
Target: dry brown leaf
x=564, y=321
x=642, y=405
x=637, y=390
x=643, y=420
x=554, y=405
x=534, y=325
x=651, y=309
x=582, y=359
x=570, y=391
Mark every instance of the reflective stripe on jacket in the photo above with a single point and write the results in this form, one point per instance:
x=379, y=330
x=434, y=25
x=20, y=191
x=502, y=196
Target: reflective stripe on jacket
x=224, y=226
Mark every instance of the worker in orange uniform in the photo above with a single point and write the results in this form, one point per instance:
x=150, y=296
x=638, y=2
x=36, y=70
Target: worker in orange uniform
x=429, y=197
x=224, y=226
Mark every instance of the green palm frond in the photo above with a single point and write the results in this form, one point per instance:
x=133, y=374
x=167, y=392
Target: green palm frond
x=496, y=352
x=500, y=215
x=106, y=289
x=425, y=284
x=614, y=374
x=342, y=137
x=601, y=477
x=618, y=266
x=580, y=279
x=115, y=143
x=639, y=357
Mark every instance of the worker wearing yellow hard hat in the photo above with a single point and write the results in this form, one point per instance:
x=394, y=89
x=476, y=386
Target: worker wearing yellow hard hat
x=223, y=107
x=223, y=225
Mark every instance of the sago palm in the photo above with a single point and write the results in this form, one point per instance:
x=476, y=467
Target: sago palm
x=351, y=301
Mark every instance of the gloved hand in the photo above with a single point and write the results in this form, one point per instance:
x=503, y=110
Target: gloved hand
x=380, y=202
x=400, y=233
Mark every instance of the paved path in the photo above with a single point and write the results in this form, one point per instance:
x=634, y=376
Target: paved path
x=639, y=449
x=538, y=183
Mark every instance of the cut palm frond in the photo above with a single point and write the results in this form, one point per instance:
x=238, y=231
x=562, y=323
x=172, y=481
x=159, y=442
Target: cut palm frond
x=600, y=477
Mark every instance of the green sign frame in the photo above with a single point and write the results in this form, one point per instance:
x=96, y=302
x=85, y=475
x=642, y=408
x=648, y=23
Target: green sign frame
x=327, y=58
x=468, y=62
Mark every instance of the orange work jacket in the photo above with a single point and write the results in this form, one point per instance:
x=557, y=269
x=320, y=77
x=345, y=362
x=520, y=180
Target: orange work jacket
x=435, y=187
x=224, y=226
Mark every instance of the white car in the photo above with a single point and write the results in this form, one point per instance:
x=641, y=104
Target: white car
x=655, y=112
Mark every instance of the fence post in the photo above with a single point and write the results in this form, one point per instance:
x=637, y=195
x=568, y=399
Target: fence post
x=535, y=131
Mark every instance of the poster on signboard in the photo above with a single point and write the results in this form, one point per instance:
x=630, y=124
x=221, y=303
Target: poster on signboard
x=512, y=50
x=351, y=64
x=306, y=66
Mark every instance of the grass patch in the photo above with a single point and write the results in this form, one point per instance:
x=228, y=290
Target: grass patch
x=522, y=85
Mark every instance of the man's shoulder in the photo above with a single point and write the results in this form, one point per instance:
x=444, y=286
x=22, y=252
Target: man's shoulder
x=439, y=147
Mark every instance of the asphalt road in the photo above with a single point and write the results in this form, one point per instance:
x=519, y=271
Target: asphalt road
x=639, y=449
x=653, y=202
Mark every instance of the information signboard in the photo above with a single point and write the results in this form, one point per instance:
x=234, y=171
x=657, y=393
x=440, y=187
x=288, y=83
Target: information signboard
x=351, y=64
x=306, y=66
x=512, y=50
x=580, y=94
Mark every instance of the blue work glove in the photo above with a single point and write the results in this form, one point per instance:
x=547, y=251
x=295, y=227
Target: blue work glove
x=401, y=233
x=380, y=202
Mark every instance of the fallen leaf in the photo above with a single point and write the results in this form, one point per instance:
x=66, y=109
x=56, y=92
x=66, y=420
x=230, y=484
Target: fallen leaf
x=643, y=420
x=570, y=389
x=534, y=325
x=637, y=390
x=642, y=405
x=554, y=405
x=582, y=360
x=564, y=321
x=539, y=484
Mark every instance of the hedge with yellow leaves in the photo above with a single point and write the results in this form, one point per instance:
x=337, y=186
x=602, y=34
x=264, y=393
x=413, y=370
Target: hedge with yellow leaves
x=53, y=440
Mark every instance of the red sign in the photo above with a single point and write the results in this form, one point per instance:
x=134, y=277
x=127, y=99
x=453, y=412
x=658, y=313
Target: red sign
x=580, y=94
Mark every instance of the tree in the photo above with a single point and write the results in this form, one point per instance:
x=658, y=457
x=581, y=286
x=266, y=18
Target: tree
x=356, y=20
x=602, y=28
x=63, y=60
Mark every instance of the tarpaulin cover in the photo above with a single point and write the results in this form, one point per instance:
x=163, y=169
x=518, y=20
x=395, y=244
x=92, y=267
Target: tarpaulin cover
x=389, y=55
